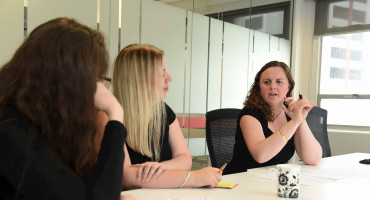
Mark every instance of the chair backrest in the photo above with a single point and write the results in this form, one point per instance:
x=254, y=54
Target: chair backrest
x=220, y=134
x=317, y=121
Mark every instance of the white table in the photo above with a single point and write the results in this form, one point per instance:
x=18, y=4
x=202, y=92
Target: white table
x=337, y=177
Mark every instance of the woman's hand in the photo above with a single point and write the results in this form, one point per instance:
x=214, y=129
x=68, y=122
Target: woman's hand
x=127, y=197
x=288, y=110
x=148, y=170
x=105, y=101
x=206, y=177
x=306, y=105
x=298, y=110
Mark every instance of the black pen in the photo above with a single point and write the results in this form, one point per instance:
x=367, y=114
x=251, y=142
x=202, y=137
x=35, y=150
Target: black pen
x=300, y=95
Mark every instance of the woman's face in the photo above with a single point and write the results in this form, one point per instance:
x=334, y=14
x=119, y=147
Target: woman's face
x=274, y=85
x=164, y=80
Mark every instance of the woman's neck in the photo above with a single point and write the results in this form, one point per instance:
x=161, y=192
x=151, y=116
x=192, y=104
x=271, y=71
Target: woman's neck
x=277, y=110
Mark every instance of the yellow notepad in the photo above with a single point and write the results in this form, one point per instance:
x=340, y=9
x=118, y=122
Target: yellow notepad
x=226, y=185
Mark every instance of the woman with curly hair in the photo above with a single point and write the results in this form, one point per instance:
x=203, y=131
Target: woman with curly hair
x=269, y=132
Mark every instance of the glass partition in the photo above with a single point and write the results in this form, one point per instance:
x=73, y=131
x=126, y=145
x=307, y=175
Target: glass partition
x=227, y=43
x=213, y=48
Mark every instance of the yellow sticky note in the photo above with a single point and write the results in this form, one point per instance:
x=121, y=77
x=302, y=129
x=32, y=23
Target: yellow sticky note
x=226, y=185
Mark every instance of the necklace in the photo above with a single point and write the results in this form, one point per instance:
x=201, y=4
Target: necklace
x=279, y=113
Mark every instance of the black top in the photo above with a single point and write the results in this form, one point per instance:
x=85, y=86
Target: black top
x=30, y=170
x=242, y=159
x=166, y=152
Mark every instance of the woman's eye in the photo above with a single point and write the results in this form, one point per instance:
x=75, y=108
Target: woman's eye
x=266, y=82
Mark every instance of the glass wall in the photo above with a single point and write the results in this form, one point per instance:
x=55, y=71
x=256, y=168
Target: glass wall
x=213, y=48
x=226, y=44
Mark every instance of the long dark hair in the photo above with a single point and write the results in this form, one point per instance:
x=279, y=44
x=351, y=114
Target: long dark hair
x=254, y=99
x=51, y=79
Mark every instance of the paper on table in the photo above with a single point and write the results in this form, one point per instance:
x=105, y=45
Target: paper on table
x=354, y=180
x=336, y=173
x=183, y=198
x=189, y=198
x=303, y=179
x=226, y=185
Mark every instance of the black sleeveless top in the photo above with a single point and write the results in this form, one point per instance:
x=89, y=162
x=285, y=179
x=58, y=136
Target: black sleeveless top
x=242, y=159
x=30, y=169
x=166, y=152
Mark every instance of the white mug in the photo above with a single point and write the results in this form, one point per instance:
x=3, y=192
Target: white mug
x=288, y=180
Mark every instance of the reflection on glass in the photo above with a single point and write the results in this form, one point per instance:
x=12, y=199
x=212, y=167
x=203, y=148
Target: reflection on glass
x=273, y=18
x=345, y=13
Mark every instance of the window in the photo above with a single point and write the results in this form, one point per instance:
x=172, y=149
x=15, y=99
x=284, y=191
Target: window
x=354, y=36
x=361, y=1
x=343, y=13
x=357, y=36
x=356, y=55
x=345, y=79
x=338, y=53
x=341, y=16
x=336, y=72
x=271, y=19
x=354, y=74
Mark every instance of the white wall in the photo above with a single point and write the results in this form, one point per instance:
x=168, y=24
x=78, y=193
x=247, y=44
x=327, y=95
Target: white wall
x=215, y=59
x=109, y=26
x=130, y=22
x=11, y=31
x=197, y=45
x=348, y=142
x=235, y=66
x=164, y=27
x=40, y=11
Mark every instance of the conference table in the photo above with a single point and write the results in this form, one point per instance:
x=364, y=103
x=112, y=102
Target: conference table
x=336, y=177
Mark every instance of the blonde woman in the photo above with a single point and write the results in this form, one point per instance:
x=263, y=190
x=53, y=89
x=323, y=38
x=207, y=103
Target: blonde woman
x=156, y=152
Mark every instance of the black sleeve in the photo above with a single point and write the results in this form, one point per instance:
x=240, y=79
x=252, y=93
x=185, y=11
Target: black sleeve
x=33, y=170
x=106, y=179
x=171, y=116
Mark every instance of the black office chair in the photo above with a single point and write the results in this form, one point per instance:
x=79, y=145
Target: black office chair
x=220, y=134
x=317, y=121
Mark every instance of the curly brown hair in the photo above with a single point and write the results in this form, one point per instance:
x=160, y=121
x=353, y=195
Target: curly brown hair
x=51, y=79
x=254, y=99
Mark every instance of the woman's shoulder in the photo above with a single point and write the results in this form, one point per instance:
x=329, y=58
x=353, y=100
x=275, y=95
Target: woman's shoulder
x=171, y=116
x=11, y=116
x=254, y=112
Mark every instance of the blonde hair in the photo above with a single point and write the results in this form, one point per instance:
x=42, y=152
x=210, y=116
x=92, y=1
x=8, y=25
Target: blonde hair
x=137, y=70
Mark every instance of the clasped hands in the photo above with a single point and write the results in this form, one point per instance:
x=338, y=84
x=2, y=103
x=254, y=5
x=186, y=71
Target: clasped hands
x=149, y=170
x=298, y=110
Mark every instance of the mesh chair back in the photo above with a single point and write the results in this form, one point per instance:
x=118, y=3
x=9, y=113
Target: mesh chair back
x=317, y=121
x=220, y=134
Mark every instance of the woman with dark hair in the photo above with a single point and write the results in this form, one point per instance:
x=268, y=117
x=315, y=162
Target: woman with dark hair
x=50, y=93
x=269, y=132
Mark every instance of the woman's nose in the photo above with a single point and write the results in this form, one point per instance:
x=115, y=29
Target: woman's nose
x=272, y=86
x=168, y=77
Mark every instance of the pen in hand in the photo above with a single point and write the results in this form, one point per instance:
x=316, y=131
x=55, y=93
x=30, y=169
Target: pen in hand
x=300, y=95
x=222, y=168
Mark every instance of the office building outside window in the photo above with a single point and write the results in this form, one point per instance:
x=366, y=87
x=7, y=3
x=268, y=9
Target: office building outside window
x=345, y=78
